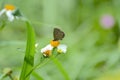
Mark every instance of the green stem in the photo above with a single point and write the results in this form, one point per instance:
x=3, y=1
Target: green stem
x=42, y=63
x=10, y=76
x=29, y=54
x=3, y=25
x=60, y=67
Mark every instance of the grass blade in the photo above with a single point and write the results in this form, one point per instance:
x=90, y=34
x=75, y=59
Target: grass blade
x=29, y=55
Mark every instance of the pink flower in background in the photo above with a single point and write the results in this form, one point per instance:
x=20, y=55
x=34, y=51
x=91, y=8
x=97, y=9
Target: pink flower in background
x=107, y=21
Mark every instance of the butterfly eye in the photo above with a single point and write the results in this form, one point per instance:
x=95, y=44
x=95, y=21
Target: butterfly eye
x=58, y=34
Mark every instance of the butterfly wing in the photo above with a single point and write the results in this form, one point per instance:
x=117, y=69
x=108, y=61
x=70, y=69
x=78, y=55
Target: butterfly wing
x=58, y=34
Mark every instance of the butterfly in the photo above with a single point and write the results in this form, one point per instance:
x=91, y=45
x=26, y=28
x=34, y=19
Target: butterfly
x=58, y=34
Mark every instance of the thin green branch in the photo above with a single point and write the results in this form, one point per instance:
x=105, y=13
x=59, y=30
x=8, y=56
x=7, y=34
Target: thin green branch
x=60, y=67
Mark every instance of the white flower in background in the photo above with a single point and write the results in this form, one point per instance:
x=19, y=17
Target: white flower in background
x=107, y=21
x=62, y=48
x=10, y=12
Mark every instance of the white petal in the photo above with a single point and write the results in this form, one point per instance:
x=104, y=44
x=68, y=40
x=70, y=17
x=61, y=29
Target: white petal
x=10, y=15
x=2, y=11
x=48, y=47
x=43, y=50
x=62, y=48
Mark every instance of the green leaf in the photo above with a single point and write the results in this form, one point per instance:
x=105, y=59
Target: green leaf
x=17, y=13
x=29, y=55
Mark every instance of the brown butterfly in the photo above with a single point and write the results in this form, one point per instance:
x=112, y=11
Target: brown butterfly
x=58, y=34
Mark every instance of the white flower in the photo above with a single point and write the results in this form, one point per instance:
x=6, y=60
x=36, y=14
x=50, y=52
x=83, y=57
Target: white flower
x=46, y=48
x=10, y=12
x=59, y=48
x=62, y=48
x=10, y=15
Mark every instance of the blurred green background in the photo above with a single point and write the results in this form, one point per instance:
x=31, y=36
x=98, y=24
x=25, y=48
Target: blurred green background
x=93, y=51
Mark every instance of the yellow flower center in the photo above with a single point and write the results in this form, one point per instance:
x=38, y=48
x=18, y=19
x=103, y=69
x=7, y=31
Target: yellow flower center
x=59, y=51
x=47, y=53
x=9, y=7
x=54, y=43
